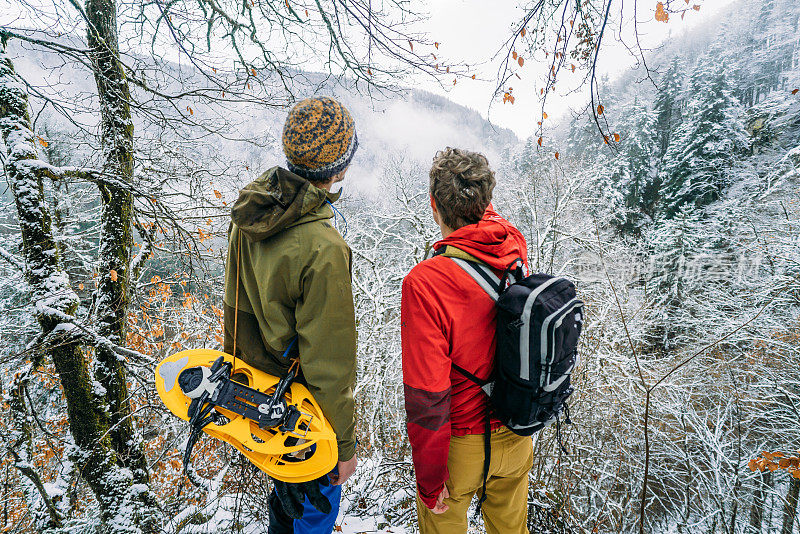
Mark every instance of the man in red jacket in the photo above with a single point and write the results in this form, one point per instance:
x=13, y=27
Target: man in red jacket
x=447, y=319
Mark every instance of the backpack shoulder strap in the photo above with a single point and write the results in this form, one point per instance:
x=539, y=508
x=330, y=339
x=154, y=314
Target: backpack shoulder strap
x=486, y=385
x=482, y=274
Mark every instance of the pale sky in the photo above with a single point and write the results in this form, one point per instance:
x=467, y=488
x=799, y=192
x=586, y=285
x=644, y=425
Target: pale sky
x=473, y=30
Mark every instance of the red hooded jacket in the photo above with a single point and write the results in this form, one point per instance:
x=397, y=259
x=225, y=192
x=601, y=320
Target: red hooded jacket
x=447, y=318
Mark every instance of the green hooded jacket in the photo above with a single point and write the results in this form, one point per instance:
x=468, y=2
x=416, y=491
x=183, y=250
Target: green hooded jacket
x=294, y=279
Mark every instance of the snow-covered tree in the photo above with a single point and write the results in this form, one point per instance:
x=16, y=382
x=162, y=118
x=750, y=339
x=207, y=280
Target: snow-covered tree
x=706, y=144
x=632, y=184
x=666, y=106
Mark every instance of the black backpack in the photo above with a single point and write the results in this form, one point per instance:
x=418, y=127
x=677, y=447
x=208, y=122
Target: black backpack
x=539, y=320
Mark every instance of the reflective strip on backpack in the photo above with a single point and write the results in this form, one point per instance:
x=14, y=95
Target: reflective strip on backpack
x=554, y=385
x=525, y=331
x=533, y=425
x=483, y=275
x=547, y=358
x=512, y=426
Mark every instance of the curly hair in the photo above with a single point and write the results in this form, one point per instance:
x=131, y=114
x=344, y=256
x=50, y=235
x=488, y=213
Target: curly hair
x=461, y=184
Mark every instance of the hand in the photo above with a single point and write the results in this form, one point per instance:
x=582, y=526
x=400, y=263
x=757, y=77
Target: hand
x=440, y=506
x=345, y=469
x=293, y=495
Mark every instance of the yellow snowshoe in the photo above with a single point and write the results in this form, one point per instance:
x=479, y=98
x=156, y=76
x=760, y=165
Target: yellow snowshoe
x=274, y=422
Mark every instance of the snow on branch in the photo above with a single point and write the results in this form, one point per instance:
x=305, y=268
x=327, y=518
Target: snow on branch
x=13, y=260
x=69, y=327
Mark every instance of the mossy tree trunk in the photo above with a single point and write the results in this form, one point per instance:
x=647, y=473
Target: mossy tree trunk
x=124, y=502
x=116, y=231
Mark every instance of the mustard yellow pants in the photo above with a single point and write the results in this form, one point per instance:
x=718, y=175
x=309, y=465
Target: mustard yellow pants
x=505, y=510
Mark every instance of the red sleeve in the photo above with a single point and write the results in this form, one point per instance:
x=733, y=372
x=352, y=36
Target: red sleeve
x=426, y=384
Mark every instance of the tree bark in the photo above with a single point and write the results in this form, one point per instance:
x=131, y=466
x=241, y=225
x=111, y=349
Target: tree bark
x=116, y=233
x=790, y=506
x=118, y=493
x=759, y=502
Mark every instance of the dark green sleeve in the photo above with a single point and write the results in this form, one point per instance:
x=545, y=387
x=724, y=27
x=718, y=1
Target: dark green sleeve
x=326, y=332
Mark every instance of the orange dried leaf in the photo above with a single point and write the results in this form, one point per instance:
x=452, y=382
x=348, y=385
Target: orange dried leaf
x=795, y=91
x=522, y=32
x=190, y=110
x=544, y=114
x=539, y=141
x=411, y=45
x=217, y=194
x=436, y=45
x=43, y=142
x=369, y=71
x=473, y=76
x=600, y=109
x=521, y=61
x=556, y=155
x=454, y=81
x=753, y=465
x=113, y=275
x=80, y=286
x=616, y=138
x=661, y=14
x=696, y=7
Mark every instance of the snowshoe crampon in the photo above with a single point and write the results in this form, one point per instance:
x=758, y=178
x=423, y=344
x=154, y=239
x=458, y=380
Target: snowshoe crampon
x=284, y=434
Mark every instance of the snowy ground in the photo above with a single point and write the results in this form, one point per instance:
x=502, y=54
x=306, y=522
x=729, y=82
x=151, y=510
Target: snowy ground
x=371, y=525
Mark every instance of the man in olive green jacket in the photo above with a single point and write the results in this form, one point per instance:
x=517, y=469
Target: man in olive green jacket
x=294, y=280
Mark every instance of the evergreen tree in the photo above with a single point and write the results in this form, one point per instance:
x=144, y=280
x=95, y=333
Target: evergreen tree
x=707, y=142
x=679, y=251
x=631, y=187
x=667, y=105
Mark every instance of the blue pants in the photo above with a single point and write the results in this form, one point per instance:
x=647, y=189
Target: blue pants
x=312, y=522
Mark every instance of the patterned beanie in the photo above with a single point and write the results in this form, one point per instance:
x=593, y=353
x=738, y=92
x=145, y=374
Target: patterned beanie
x=319, y=138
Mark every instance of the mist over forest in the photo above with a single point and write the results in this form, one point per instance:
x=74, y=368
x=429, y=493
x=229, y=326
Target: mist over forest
x=672, y=201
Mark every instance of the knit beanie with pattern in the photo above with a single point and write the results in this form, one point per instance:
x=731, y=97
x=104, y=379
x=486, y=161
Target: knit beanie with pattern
x=319, y=138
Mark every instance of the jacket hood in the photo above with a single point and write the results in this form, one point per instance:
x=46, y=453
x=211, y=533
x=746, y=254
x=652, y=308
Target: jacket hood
x=276, y=200
x=492, y=240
